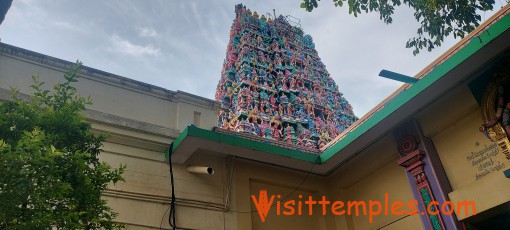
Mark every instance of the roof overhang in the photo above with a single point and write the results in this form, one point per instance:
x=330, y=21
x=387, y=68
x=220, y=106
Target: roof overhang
x=454, y=67
x=193, y=139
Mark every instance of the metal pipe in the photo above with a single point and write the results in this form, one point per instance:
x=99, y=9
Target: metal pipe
x=200, y=169
x=397, y=77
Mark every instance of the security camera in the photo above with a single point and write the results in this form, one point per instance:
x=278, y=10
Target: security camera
x=200, y=169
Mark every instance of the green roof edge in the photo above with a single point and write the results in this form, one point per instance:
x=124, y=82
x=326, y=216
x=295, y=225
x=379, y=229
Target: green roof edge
x=243, y=142
x=439, y=71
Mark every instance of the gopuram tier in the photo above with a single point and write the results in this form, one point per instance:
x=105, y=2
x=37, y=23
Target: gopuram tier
x=274, y=85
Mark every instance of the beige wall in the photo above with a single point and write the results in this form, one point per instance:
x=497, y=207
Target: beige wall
x=251, y=178
x=365, y=178
x=142, y=120
x=453, y=125
x=108, y=97
x=142, y=200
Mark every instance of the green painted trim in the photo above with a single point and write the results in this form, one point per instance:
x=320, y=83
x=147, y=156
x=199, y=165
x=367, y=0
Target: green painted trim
x=439, y=71
x=194, y=131
x=180, y=138
x=474, y=45
x=434, y=220
x=265, y=147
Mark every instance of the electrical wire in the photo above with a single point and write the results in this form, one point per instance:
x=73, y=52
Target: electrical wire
x=171, y=215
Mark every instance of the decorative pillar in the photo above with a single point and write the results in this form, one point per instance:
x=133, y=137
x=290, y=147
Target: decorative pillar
x=426, y=176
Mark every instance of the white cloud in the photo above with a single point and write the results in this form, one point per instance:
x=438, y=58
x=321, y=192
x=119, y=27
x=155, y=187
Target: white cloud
x=147, y=32
x=125, y=46
x=69, y=26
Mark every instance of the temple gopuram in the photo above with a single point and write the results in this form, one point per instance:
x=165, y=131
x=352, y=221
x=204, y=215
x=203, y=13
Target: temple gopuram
x=274, y=85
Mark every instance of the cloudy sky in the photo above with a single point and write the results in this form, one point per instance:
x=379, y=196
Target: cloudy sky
x=181, y=44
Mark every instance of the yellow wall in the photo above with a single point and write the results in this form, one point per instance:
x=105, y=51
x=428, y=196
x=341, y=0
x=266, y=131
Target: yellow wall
x=251, y=177
x=462, y=149
x=473, y=164
x=365, y=178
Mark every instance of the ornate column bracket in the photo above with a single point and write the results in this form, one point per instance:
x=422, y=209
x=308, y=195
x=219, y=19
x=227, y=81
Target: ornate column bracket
x=413, y=163
x=426, y=176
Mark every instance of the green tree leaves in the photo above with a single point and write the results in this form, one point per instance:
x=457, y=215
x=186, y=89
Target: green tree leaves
x=50, y=174
x=438, y=18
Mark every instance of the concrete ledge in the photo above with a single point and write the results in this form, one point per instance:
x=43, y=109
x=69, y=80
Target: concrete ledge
x=115, y=120
x=486, y=193
x=109, y=119
x=105, y=77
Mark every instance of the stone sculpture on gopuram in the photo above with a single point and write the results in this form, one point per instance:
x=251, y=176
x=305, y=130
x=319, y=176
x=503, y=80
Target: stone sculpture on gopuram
x=274, y=85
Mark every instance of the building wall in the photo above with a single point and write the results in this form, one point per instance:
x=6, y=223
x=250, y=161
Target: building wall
x=473, y=164
x=251, y=178
x=365, y=178
x=141, y=120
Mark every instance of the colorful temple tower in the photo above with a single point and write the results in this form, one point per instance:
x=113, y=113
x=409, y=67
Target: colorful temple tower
x=274, y=85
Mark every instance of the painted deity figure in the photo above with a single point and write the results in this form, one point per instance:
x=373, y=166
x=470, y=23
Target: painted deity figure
x=279, y=61
x=256, y=128
x=244, y=126
x=225, y=124
x=289, y=134
x=276, y=133
x=263, y=25
x=293, y=84
x=273, y=103
x=284, y=85
x=284, y=99
x=294, y=58
x=262, y=58
x=263, y=95
x=242, y=100
x=275, y=47
x=293, y=98
x=289, y=110
x=300, y=140
x=254, y=114
x=267, y=133
x=265, y=85
x=309, y=144
x=309, y=108
x=259, y=41
x=233, y=122
x=280, y=109
x=268, y=110
x=270, y=77
x=232, y=57
x=255, y=95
